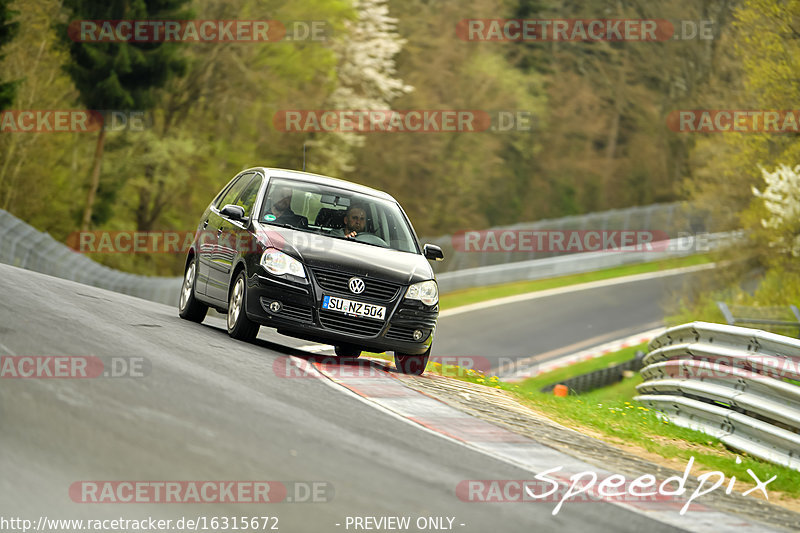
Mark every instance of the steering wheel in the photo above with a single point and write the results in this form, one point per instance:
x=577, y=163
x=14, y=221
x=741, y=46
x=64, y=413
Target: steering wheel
x=369, y=238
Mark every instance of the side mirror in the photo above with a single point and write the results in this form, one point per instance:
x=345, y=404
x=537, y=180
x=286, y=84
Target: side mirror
x=233, y=212
x=432, y=252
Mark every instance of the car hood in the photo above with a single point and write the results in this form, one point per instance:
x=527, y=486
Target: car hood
x=321, y=251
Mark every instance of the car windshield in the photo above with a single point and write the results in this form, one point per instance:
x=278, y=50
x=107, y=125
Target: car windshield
x=337, y=213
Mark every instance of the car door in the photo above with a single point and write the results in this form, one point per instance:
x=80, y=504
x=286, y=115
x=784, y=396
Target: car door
x=232, y=235
x=207, y=240
x=216, y=288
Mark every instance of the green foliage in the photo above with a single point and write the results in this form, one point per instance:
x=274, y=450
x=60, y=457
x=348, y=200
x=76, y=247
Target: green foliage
x=8, y=30
x=763, y=55
x=121, y=75
x=598, y=139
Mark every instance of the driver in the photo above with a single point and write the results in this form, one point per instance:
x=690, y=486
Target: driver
x=355, y=223
x=355, y=220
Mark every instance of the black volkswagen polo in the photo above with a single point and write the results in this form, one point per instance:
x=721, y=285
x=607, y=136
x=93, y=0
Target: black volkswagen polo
x=316, y=258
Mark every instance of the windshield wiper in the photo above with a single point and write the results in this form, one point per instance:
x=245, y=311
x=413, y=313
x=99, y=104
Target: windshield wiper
x=289, y=226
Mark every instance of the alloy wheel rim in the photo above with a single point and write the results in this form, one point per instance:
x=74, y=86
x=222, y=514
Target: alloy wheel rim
x=235, y=304
x=188, y=283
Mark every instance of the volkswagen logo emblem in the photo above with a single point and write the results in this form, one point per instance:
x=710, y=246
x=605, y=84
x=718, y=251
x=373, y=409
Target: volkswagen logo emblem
x=356, y=285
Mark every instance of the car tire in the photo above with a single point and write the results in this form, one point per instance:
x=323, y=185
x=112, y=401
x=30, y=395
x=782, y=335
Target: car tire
x=411, y=364
x=347, y=351
x=189, y=308
x=240, y=327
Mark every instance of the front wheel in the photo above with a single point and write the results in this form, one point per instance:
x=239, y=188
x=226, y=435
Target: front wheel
x=189, y=308
x=239, y=326
x=411, y=364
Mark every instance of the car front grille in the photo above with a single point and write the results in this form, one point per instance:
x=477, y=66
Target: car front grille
x=363, y=327
x=375, y=289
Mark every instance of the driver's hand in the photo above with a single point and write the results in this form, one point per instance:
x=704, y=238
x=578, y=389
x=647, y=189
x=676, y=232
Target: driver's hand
x=351, y=234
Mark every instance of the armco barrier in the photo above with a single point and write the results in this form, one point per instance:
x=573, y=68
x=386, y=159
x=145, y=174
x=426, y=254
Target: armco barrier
x=24, y=246
x=599, y=378
x=574, y=263
x=737, y=384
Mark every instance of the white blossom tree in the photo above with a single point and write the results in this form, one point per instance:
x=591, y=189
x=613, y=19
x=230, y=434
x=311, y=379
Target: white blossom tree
x=781, y=199
x=367, y=80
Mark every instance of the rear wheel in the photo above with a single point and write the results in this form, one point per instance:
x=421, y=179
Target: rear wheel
x=239, y=326
x=347, y=351
x=189, y=308
x=411, y=364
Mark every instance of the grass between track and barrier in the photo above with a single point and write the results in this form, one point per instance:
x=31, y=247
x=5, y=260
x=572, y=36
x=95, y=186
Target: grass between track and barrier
x=458, y=298
x=611, y=415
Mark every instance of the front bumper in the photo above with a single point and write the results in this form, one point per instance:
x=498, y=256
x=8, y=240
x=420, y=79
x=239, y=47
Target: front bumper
x=301, y=315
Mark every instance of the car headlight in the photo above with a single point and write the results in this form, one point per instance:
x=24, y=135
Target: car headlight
x=279, y=263
x=425, y=291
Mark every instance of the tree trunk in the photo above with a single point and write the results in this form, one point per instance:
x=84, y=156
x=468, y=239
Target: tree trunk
x=95, y=180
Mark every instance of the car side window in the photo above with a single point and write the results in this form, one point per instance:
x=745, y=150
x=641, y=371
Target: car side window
x=248, y=197
x=233, y=191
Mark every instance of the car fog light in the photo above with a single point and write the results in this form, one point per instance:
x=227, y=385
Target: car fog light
x=417, y=334
x=275, y=307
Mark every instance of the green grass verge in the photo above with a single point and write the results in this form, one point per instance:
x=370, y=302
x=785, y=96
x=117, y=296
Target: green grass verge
x=479, y=294
x=612, y=413
x=534, y=384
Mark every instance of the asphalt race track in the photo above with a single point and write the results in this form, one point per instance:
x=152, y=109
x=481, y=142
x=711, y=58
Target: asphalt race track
x=556, y=325
x=214, y=409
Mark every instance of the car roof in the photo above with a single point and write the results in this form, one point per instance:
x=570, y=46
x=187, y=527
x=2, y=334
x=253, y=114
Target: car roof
x=322, y=180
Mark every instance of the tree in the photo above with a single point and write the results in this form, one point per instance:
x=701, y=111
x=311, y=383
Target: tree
x=119, y=75
x=366, y=79
x=8, y=31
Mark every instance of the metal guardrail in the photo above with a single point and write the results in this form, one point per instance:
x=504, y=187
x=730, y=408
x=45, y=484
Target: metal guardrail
x=26, y=247
x=669, y=219
x=577, y=263
x=761, y=316
x=734, y=383
x=600, y=378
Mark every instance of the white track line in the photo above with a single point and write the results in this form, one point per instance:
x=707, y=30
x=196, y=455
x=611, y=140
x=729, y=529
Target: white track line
x=572, y=288
x=390, y=396
x=536, y=368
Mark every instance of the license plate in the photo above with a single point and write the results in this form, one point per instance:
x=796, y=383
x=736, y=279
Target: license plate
x=351, y=307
